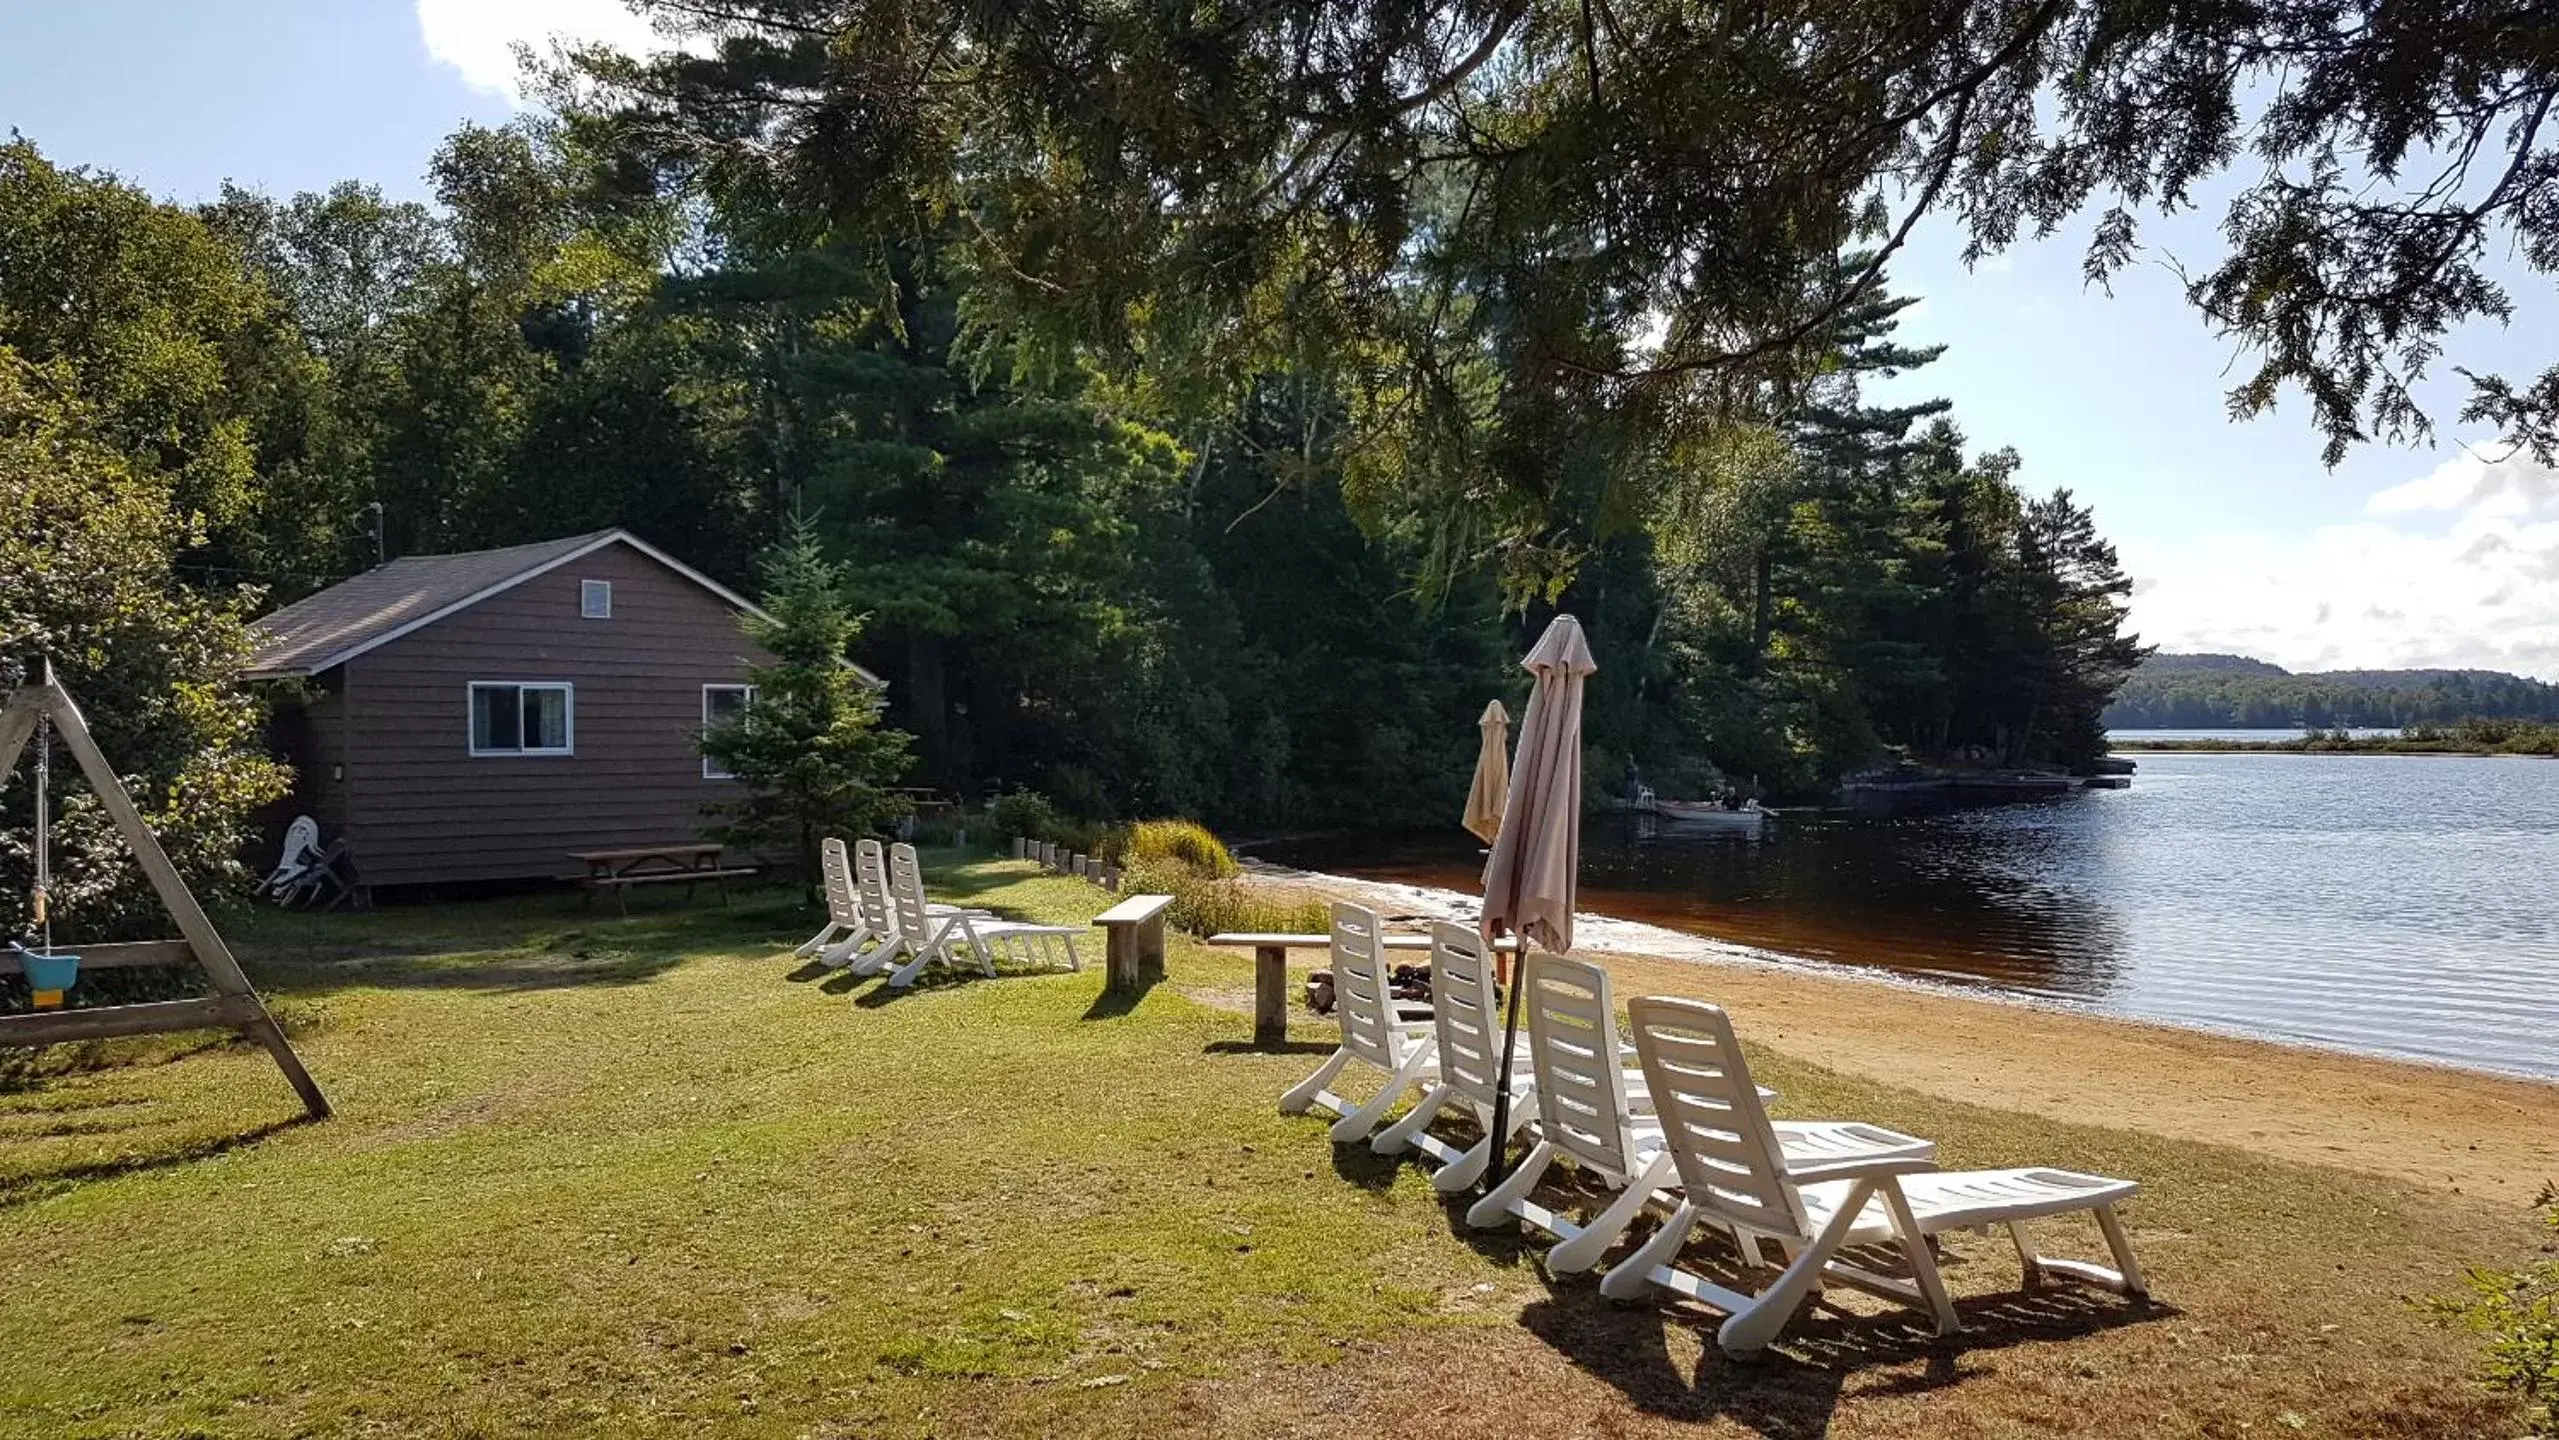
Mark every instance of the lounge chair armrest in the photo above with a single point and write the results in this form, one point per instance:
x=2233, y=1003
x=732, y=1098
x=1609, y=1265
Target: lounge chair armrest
x=1871, y=1169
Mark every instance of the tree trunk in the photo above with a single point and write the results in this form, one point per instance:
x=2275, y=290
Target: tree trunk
x=928, y=707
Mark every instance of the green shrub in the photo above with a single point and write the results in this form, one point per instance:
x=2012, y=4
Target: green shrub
x=2518, y=1312
x=1207, y=905
x=1082, y=837
x=1023, y=814
x=1186, y=843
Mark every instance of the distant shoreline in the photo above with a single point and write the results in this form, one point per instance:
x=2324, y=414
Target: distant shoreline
x=2319, y=745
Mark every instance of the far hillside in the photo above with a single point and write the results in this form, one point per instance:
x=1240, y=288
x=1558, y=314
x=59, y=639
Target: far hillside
x=2200, y=692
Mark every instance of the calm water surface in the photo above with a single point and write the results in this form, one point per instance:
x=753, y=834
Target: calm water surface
x=2400, y=905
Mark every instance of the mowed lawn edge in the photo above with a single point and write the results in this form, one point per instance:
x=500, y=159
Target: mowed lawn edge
x=651, y=1176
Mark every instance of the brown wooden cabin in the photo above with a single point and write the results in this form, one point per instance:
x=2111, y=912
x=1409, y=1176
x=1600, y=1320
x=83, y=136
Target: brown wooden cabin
x=477, y=717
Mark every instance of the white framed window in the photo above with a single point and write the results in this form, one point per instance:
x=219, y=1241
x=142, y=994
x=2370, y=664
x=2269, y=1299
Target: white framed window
x=523, y=717
x=721, y=704
x=595, y=599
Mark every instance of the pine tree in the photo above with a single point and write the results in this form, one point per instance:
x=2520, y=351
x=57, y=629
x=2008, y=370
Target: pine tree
x=809, y=752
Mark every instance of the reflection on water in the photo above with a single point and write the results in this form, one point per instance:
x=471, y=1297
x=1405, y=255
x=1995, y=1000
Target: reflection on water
x=2394, y=904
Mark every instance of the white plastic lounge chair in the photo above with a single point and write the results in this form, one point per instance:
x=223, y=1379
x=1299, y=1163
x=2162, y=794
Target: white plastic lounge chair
x=879, y=916
x=955, y=938
x=1467, y=1030
x=301, y=849
x=847, y=929
x=1374, y=1032
x=1586, y=1114
x=1733, y=1175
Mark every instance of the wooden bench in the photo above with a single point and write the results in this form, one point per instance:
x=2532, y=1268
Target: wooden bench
x=1133, y=932
x=1270, y=970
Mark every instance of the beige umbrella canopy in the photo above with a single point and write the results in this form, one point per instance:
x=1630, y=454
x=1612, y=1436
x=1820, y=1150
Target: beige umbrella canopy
x=1530, y=879
x=1492, y=787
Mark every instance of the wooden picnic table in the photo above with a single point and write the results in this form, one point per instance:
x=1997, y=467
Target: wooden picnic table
x=689, y=863
x=1270, y=969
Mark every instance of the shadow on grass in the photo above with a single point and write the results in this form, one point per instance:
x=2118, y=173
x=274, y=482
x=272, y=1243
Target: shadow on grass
x=1790, y=1391
x=1365, y=1168
x=1257, y=1047
x=580, y=965
x=841, y=982
x=939, y=977
x=28, y=1187
x=1112, y=1004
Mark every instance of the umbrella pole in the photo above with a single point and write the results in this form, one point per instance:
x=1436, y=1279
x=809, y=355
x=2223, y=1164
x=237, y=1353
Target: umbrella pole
x=1500, y=1166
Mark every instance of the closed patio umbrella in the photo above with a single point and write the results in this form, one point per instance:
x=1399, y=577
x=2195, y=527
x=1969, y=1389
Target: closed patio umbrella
x=1492, y=787
x=1530, y=879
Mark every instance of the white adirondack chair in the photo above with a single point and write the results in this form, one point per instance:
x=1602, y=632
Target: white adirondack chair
x=1589, y=1113
x=846, y=929
x=956, y=938
x=1467, y=1020
x=1734, y=1175
x=1373, y=1031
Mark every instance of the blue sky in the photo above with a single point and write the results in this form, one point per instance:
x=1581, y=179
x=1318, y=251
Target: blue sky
x=2238, y=538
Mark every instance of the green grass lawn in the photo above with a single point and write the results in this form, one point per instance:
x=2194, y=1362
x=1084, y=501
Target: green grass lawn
x=648, y=1176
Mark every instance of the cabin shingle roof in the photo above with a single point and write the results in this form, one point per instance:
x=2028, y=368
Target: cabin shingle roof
x=319, y=631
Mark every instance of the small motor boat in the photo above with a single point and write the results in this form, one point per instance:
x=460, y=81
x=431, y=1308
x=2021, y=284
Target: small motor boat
x=1705, y=815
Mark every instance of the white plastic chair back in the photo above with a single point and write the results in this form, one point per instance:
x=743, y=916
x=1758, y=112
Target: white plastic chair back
x=906, y=892
x=837, y=870
x=1362, y=994
x=1730, y=1165
x=871, y=885
x=1466, y=1009
x=1572, y=1041
x=301, y=847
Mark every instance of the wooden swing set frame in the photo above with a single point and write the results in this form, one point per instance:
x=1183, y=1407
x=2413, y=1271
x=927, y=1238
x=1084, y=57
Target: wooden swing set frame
x=234, y=1003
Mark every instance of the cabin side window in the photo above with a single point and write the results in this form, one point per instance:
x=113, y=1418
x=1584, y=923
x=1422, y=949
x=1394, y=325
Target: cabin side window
x=510, y=717
x=595, y=599
x=721, y=704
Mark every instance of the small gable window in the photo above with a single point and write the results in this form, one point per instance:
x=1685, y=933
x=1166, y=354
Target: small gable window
x=595, y=599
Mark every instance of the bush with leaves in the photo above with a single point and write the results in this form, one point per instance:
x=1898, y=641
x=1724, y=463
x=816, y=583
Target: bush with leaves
x=89, y=546
x=1186, y=843
x=2517, y=1311
x=809, y=751
x=1023, y=815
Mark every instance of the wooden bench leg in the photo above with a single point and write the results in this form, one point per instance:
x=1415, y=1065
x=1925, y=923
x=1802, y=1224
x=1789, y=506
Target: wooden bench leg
x=1270, y=995
x=1120, y=958
x=1150, y=948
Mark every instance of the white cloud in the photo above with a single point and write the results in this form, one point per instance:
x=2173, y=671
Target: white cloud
x=2469, y=578
x=478, y=37
x=2500, y=481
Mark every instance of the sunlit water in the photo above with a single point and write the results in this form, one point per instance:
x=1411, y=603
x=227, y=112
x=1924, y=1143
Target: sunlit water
x=2399, y=905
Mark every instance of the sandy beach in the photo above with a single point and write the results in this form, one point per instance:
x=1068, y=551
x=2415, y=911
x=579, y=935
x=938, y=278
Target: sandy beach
x=2485, y=1136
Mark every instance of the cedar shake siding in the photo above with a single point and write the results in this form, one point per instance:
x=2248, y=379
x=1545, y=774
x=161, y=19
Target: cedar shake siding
x=418, y=807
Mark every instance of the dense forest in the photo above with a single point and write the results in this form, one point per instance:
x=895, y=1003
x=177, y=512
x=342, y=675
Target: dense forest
x=2232, y=692
x=1137, y=604
x=1202, y=414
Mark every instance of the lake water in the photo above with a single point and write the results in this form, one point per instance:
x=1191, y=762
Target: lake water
x=2360, y=732
x=2394, y=904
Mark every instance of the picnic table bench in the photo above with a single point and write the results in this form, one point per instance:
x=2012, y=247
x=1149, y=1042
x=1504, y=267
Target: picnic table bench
x=690, y=863
x=1270, y=969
